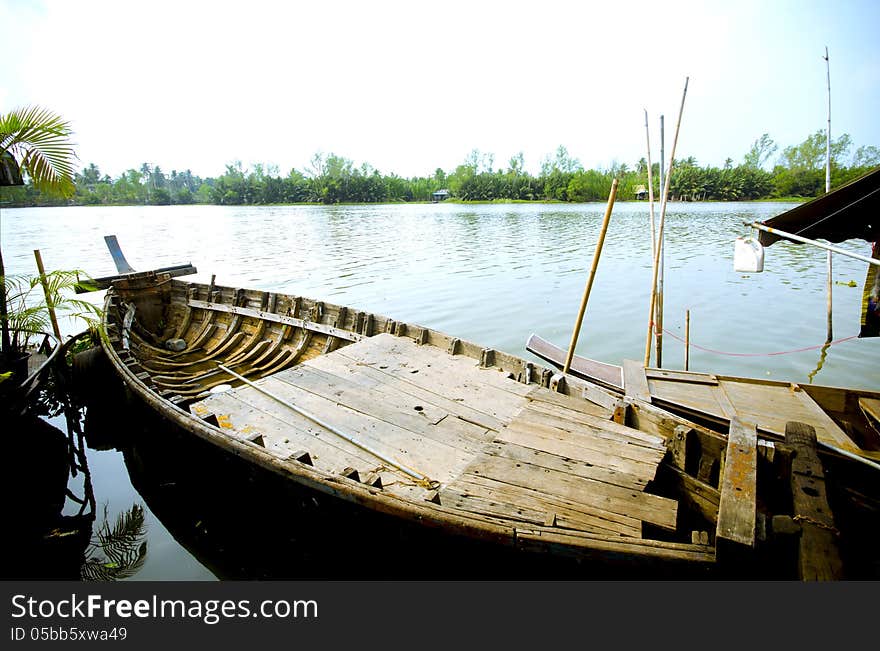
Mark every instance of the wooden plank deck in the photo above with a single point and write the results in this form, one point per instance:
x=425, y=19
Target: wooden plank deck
x=769, y=406
x=497, y=447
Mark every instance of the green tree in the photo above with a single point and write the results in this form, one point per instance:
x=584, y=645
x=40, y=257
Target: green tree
x=866, y=156
x=762, y=149
x=810, y=154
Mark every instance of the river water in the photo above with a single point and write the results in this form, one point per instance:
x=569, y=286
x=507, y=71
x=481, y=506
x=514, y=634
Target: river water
x=492, y=274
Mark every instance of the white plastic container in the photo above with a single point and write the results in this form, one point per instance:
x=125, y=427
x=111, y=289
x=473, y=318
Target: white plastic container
x=748, y=255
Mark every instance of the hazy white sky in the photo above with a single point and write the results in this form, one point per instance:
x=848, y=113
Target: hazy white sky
x=410, y=86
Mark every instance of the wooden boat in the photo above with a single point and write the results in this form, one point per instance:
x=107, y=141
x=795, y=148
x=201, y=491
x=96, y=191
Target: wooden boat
x=846, y=420
x=439, y=433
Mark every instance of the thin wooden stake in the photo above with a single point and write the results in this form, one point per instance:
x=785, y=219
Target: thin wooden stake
x=660, y=233
x=650, y=187
x=687, y=338
x=830, y=324
x=589, y=286
x=45, y=285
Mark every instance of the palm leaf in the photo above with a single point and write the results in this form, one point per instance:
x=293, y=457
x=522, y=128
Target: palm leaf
x=40, y=142
x=117, y=552
x=28, y=304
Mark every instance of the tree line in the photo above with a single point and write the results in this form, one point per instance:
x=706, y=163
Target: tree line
x=799, y=171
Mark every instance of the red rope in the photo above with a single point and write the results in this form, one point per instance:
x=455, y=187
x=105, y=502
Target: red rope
x=781, y=352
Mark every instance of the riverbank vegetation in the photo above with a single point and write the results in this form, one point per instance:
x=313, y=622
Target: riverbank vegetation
x=799, y=171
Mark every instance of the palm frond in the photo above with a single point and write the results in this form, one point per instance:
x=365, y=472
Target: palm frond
x=28, y=303
x=40, y=141
x=117, y=552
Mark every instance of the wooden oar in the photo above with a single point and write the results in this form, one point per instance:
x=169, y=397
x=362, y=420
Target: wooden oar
x=589, y=287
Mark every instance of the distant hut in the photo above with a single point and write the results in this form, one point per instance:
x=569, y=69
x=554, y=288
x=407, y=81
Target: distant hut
x=641, y=193
x=440, y=195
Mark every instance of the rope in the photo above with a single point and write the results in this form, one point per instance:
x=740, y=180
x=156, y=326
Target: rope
x=722, y=352
x=816, y=523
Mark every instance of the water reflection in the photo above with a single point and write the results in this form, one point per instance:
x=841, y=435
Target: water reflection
x=118, y=552
x=52, y=508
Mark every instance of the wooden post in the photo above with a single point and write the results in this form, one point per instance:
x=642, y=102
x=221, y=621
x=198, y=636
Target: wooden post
x=4, y=324
x=829, y=335
x=819, y=556
x=737, y=507
x=589, y=286
x=687, y=338
x=49, y=304
x=660, y=233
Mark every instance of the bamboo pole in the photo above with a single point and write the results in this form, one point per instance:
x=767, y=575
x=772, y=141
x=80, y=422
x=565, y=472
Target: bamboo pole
x=650, y=186
x=830, y=282
x=49, y=305
x=661, y=241
x=660, y=233
x=687, y=339
x=591, y=277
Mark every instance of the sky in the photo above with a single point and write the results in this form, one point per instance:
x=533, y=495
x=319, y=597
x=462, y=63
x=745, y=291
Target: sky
x=411, y=86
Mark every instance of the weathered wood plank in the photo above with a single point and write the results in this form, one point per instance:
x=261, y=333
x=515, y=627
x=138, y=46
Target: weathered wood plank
x=737, y=509
x=567, y=513
x=555, y=441
x=593, y=436
x=285, y=436
x=594, y=405
x=586, y=545
x=378, y=380
x=455, y=377
x=277, y=318
x=600, y=425
x=687, y=377
x=431, y=458
x=563, y=464
x=819, y=556
x=635, y=382
x=643, y=506
x=395, y=409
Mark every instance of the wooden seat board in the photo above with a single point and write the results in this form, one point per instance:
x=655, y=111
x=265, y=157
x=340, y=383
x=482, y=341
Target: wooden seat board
x=494, y=498
x=556, y=442
x=588, y=436
x=605, y=427
x=546, y=459
x=614, y=499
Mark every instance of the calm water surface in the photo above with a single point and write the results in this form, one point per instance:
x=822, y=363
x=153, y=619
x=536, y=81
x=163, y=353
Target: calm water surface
x=492, y=274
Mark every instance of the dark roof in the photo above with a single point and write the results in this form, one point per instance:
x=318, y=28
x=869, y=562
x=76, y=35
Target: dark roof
x=851, y=211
